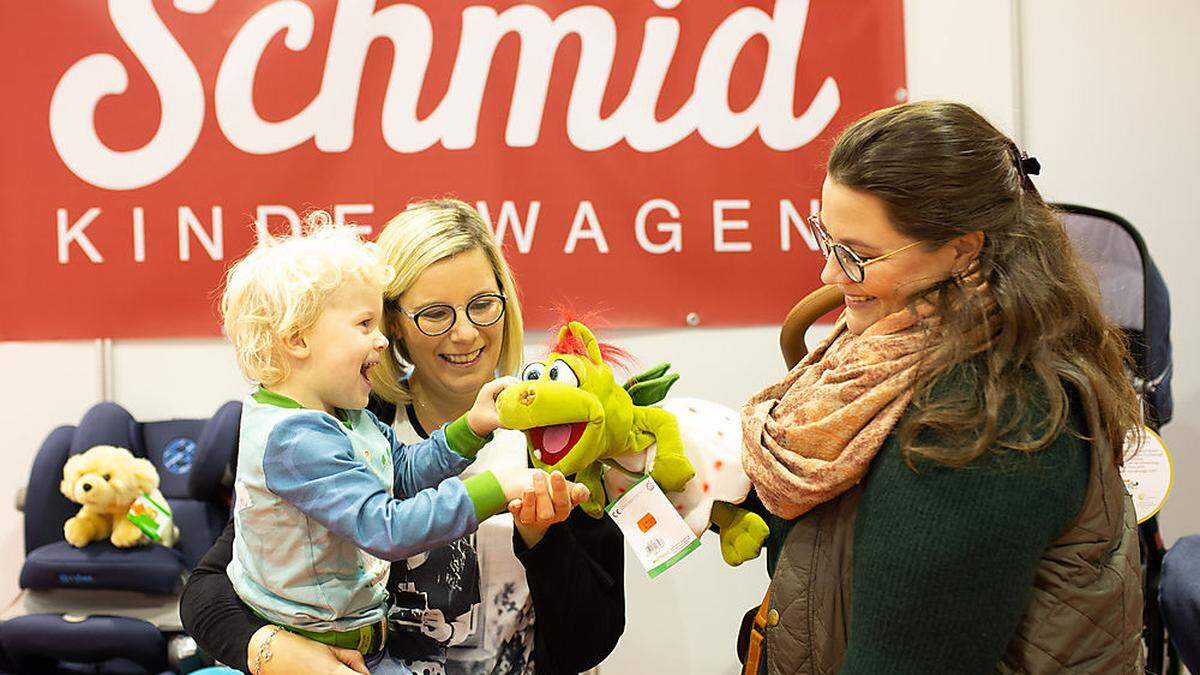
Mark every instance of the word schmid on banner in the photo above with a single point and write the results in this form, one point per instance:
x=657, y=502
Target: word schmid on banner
x=649, y=159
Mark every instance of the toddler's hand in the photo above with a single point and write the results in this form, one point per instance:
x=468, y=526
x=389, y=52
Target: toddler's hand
x=515, y=482
x=482, y=417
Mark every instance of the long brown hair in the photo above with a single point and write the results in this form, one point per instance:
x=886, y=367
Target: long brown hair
x=943, y=171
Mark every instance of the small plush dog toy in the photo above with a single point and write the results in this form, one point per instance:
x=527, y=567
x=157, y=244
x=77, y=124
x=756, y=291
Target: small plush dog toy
x=107, y=481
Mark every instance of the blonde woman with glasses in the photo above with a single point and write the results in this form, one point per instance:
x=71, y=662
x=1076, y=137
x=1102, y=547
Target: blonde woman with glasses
x=507, y=599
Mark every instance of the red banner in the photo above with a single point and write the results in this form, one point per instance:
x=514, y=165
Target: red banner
x=652, y=160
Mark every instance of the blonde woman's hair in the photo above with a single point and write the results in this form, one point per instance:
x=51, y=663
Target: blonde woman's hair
x=278, y=290
x=421, y=235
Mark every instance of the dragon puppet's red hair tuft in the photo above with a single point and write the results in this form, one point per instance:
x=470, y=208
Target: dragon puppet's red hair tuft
x=573, y=344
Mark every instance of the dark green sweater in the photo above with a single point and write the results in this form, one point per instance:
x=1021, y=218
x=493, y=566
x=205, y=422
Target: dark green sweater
x=944, y=557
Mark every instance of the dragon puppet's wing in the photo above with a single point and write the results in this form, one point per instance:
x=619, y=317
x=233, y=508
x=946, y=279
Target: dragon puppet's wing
x=651, y=386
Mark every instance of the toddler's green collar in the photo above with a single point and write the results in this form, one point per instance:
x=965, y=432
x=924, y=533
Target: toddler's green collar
x=267, y=397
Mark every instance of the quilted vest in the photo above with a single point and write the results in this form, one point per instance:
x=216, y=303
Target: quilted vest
x=1085, y=614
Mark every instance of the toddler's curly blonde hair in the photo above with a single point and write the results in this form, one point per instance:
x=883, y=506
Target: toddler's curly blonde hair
x=277, y=290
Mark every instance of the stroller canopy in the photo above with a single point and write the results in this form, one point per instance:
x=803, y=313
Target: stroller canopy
x=1134, y=296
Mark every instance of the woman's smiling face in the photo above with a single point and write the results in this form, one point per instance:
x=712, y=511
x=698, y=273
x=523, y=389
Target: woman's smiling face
x=458, y=362
x=859, y=221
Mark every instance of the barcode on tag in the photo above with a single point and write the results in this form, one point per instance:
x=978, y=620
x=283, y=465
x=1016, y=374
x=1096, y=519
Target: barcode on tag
x=654, y=545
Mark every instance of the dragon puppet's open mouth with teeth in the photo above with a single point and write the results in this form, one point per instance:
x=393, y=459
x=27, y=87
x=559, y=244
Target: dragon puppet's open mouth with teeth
x=552, y=443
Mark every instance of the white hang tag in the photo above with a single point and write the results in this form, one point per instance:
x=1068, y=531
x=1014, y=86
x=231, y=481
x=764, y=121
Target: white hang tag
x=149, y=516
x=658, y=534
x=1147, y=472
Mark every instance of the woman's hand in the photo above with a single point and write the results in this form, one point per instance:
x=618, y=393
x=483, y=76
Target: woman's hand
x=545, y=503
x=291, y=653
x=482, y=417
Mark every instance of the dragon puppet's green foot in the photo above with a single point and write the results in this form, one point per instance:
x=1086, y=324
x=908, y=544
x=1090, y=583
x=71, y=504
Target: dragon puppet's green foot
x=742, y=532
x=672, y=471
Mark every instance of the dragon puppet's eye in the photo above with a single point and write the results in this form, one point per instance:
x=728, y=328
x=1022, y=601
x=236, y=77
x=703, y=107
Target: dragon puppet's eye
x=561, y=372
x=533, y=371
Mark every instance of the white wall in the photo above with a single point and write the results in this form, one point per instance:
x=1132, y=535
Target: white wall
x=1104, y=93
x=1111, y=92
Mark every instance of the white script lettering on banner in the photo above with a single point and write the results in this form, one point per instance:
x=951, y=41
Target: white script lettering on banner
x=328, y=120
x=649, y=160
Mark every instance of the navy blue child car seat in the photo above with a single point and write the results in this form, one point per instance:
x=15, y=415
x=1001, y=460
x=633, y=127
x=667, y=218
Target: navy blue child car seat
x=107, y=606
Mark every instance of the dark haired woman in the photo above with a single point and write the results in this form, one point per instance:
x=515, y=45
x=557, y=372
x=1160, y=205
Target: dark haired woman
x=953, y=446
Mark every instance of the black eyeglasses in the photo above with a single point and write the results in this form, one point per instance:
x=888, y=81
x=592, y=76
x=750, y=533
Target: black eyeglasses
x=851, y=263
x=482, y=310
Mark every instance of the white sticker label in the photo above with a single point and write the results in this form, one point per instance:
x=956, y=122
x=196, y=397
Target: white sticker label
x=658, y=534
x=1147, y=472
x=150, y=516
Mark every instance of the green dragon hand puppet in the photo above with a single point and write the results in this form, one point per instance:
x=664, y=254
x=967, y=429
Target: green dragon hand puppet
x=579, y=421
